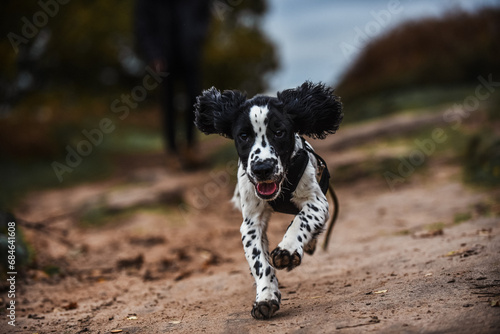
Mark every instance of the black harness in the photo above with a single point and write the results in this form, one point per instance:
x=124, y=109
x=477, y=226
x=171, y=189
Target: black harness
x=295, y=171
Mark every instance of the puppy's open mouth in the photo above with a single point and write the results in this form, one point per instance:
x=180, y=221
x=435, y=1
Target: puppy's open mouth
x=268, y=189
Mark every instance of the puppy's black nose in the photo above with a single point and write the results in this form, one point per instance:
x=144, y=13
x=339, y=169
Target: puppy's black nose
x=263, y=170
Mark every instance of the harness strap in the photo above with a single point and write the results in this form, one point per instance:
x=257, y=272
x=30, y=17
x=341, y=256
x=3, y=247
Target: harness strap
x=324, y=181
x=297, y=168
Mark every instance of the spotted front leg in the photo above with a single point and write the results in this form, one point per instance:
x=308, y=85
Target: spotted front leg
x=268, y=296
x=301, y=236
x=303, y=231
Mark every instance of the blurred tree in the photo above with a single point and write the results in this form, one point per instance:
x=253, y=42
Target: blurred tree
x=63, y=61
x=87, y=47
x=451, y=50
x=10, y=28
x=238, y=54
x=54, y=44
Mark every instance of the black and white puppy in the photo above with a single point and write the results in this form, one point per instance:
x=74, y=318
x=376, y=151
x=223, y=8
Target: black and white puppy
x=267, y=134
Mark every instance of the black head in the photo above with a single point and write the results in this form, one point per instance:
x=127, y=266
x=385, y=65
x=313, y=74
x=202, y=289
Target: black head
x=264, y=128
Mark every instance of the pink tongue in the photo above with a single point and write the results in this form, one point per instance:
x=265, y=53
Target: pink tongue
x=266, y=189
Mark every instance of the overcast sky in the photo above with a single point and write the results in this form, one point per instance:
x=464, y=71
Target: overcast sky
x=317, y=39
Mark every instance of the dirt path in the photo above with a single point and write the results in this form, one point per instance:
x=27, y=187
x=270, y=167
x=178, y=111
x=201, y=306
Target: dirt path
x=424, y=258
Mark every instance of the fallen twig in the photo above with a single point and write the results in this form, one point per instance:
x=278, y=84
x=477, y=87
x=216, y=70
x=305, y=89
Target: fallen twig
x=372, y=321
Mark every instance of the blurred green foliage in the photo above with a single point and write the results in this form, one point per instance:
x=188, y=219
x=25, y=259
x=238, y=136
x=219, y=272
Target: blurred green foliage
x=482, y=160
x=88, y=47
x=66, y=46
x=59, y=71
x=13, y=242
x=227, y=72
x=63, y=64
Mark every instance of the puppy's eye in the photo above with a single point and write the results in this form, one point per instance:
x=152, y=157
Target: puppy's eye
x=243, y=136
x=279, y=133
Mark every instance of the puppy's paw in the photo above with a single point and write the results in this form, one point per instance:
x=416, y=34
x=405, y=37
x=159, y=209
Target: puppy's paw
x=283, y=259
x=265, y=309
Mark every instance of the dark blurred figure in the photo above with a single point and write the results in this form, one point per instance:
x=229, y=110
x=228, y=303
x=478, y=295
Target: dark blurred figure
x=170, y=36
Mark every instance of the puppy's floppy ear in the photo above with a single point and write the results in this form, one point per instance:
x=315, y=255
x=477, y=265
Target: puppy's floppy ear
x=215, y=112
x=315, y=111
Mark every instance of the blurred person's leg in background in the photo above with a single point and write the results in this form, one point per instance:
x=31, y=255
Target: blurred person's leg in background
x=170, y=36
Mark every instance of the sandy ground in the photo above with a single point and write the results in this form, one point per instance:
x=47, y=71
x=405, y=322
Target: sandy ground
x=398, y=262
